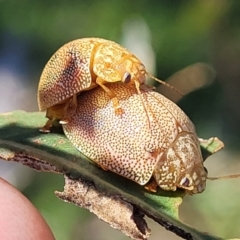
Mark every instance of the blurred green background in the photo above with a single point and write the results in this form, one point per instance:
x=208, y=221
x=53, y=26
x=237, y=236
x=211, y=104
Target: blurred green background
x=167, y=36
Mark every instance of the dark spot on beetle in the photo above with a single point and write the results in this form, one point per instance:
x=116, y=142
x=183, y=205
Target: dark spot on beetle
x=71, y=71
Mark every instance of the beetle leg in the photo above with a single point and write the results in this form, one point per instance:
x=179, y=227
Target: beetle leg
x=118, y=110
x=61, y=112
x=70, y=110
x=46, y=127
x=103, y=168
x=151, y=186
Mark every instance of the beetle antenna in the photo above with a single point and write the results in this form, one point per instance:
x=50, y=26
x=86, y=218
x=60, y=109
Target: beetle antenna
x=224, y=177
x=137, y=84
x=165, y=84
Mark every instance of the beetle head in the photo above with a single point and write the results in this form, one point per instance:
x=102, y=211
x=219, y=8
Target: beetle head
x=181, y=166
x=132, y=70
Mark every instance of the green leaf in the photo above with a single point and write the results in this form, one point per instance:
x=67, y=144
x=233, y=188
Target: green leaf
x=21, y=141
x=210, y=146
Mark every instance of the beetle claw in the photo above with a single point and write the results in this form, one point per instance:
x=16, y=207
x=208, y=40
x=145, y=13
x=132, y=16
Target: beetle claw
x=46, y=127
x=119, y=111
x=103, y=168
x=151, y=186
x=64, y=121
x=44, y=130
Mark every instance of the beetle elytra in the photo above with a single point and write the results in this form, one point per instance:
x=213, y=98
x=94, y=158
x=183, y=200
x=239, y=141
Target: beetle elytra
x=81, y=65
x=157, y=147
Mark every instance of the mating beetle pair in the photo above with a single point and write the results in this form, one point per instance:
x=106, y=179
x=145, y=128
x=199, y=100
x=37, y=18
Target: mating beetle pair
x=164, y=147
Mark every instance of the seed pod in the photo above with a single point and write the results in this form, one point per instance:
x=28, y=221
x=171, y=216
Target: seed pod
x=79, y=66
x=152, y=139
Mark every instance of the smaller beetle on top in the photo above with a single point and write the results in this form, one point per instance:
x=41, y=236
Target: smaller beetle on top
x=81, y=65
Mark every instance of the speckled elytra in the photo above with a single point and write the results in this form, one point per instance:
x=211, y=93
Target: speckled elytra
x=157, y=147
x=81, y=65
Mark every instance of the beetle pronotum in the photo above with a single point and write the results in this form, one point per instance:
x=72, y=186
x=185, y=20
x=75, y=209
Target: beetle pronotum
x=81, y=65
x=159, y=144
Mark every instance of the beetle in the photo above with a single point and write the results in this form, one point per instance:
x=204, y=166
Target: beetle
x=81, y=65
x=155, y=148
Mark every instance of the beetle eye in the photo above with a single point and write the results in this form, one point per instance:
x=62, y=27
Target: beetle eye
x=127, y=77
x=185, y=182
